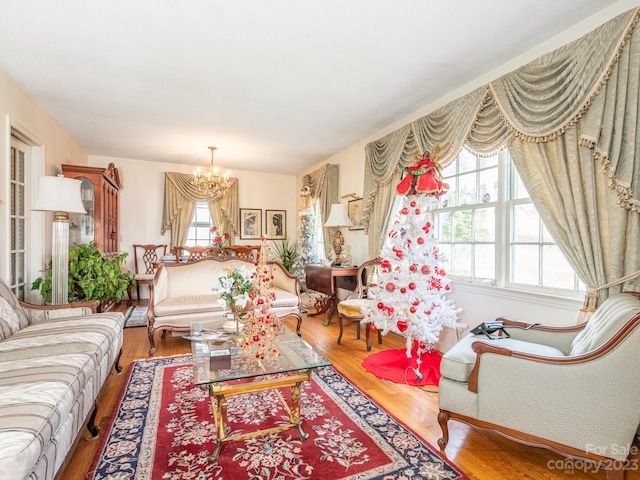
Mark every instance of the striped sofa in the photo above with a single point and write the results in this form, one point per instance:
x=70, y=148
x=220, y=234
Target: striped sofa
x=54, y=362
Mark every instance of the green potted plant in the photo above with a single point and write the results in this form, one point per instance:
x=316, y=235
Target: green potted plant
x=92, y=276
x=286, y=252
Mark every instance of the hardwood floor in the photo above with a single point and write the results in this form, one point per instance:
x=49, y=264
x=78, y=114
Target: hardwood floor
x=479, y=454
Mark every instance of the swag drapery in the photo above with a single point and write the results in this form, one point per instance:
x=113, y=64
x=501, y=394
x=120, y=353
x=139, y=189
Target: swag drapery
x=570, y=122
x=323, y=184
x=180, y=197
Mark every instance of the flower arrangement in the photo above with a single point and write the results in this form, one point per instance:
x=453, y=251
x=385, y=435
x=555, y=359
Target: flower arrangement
x=236, y=286
x=219, y=241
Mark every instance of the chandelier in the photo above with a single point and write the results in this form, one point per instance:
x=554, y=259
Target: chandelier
x=209, y=181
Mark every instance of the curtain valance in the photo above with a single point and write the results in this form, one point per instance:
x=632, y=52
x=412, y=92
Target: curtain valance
x=534, y=103
x=180, y=196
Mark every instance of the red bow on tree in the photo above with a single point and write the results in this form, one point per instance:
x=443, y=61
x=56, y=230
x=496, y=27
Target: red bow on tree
x=424, y=177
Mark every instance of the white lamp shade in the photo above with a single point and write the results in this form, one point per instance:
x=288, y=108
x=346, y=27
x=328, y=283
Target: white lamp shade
x=338, y=216
x=58, y=194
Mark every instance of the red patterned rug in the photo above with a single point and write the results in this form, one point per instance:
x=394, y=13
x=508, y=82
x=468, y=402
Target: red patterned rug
x=163, y=429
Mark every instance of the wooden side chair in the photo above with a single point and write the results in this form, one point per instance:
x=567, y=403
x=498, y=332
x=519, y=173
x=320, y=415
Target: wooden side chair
x=351, y=308
x=145, y=263
x=251, y=253
x=194, y=254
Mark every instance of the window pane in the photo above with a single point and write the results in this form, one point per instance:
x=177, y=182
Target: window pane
x=546, y=236
x=449, y=199
x=485, y=256
x=201, y=215
x=556, y=271
x=488, y=162
x=20, y=200
x=463, y=226
x=450, y=170
x=466, y=162
x=518, y=187
x=526, y=224
x=485, y=225
x=488, y=188
x=202, y=234
x=444, y=227
x=467, y=194
x=19, y=233
x=524, y=264
x=21, y=166
x=462, y=260
x=445, y=256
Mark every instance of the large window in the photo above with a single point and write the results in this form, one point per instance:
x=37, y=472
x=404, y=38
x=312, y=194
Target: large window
x=200, y=230
x=489, y=231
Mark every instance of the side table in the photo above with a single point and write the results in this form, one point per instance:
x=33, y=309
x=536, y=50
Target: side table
x=327, y=280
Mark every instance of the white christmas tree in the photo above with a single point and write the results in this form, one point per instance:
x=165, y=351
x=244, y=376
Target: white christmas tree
x=411, y=287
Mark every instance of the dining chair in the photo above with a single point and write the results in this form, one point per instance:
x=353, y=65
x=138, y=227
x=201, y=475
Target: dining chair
x=250, y=253
x=351, y=308
x=194, y=253
x=146, y=262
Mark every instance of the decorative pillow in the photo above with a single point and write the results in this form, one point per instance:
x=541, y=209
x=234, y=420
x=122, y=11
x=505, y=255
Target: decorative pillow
x=9, y=322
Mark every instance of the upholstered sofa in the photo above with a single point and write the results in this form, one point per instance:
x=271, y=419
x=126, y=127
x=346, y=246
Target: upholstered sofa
x=573, y=390
x=182, y=293
x=54, y=362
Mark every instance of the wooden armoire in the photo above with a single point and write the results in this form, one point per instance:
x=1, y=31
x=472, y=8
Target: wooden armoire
x=100, y=196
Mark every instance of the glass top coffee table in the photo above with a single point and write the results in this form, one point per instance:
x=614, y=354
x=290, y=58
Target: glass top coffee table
x=222, y=367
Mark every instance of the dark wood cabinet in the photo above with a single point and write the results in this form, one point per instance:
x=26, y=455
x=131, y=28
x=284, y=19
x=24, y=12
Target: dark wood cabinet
x=100, y=192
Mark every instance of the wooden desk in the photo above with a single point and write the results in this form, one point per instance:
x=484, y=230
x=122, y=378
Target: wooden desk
x=327, y=280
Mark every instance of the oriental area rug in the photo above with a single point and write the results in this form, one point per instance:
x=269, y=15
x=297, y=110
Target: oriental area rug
x=163, y=428
x=136, y=316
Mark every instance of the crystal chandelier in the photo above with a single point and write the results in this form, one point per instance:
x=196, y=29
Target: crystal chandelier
x=209, y=181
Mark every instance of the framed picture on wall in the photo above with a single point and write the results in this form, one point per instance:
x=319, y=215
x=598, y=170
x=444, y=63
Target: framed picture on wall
x=276, y=224
x=355, y=213
x=250, y=223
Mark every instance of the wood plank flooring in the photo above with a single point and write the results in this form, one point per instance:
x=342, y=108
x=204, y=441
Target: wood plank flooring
x=479, y=454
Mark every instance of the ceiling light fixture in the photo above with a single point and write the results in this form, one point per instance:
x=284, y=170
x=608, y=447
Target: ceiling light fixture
x=209, y=181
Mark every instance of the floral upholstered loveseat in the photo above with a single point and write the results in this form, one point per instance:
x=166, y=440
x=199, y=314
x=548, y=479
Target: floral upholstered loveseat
x=54, y=362
x=183, y=293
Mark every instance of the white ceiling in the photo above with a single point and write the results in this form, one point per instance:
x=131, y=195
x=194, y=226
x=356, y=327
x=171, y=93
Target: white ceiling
x=276, y=85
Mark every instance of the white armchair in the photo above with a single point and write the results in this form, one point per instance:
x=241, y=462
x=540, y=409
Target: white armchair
x=574, y=390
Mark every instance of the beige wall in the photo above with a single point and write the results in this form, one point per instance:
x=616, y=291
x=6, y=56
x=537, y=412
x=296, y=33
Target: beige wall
x=141, y=199
x=51, y=147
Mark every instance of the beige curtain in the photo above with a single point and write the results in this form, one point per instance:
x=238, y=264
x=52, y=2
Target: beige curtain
x=180, y=197
x=324, y=184
x=569, y=120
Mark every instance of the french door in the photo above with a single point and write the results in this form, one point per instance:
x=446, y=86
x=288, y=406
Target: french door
x=18, y=217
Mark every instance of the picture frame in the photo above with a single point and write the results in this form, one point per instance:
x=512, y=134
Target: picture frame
x=276, y=224
x=250, y=223
x=354, y=209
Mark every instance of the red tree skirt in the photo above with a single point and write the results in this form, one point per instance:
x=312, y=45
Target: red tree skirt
x=395, y=366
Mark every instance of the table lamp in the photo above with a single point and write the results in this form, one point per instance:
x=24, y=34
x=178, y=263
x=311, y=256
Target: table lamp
x=338, y=217
x=61, y=196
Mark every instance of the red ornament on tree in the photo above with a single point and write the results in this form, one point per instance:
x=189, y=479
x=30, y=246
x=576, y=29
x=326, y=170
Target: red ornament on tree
x=402, y=325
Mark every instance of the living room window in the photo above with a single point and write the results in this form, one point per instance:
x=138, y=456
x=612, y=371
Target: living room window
x=200, y=230
x=490, y=232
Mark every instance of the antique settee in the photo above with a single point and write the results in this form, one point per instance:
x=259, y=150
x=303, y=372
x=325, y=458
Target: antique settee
x=54, y=362
x=182, y=293
x=573, y=390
